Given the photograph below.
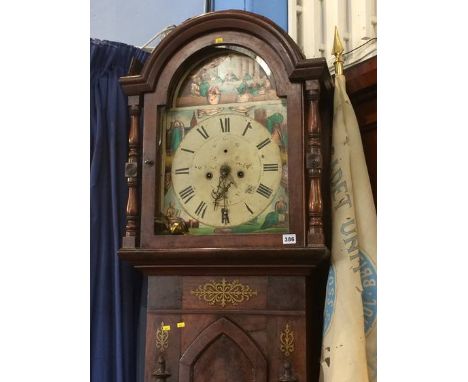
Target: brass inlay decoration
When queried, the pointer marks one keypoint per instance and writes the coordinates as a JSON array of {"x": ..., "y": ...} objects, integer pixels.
[
  {"x": 162, "y": 338},
  {"x": 224, "y": 292},
  {"x": 287, "y": 341}
]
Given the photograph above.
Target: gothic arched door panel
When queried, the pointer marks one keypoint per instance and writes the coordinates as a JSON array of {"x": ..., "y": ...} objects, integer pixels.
[{"x": 223, "y": 352}]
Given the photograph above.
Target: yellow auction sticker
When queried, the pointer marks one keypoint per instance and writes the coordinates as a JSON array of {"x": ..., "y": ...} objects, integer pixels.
[
  {"x": 166, "y": 328},
  {"x": 219, "y": 40},
  {"x": 181, "y": 324}
]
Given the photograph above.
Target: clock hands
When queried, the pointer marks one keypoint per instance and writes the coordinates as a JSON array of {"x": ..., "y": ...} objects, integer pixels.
[
  {"x": 220, "y": 194},
  {"x": 224, "y": 216},
  {"x": 224, "y": 210}
]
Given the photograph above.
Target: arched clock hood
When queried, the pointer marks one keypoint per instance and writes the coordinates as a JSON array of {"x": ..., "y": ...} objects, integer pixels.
[{"x": 261, "y": 35}]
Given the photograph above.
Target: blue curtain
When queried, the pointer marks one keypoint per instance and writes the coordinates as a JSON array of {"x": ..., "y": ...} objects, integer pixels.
[{"x": 116, "y": 288}]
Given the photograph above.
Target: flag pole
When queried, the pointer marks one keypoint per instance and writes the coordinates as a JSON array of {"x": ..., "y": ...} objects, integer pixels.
[
  {"x": 338, "y": 53},
  {"x": 350, "y": 331}
]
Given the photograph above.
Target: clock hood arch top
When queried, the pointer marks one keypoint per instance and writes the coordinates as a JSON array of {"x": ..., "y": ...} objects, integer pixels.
[{"x": 225, "y": 28}]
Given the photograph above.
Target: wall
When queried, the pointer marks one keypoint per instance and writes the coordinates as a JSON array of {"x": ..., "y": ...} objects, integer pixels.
[
  {"x": 276, "y": 10},
  {"x": 312, "y": 26},
  {"x": 311, "y": 23},
  {"x": 136, "y": 22}
]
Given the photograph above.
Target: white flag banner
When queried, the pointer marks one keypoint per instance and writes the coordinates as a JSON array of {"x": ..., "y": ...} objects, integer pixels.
[{"x": 349, "y": 352}]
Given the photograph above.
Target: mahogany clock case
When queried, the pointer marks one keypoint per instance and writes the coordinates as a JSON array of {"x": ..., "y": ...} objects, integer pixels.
[{"x": 273, "y": 332}]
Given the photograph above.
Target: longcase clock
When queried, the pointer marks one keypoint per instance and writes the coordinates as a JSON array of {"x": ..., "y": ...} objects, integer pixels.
[{"x": 227, "y": 209}]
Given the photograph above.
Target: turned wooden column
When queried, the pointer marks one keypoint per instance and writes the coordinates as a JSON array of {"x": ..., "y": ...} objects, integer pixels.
[
  {"x": 315, "y": 236},
  {"x": 131, "y": 173}
]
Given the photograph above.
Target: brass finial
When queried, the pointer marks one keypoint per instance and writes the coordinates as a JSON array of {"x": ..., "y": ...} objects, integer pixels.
[{"x": 338, "y": 53}]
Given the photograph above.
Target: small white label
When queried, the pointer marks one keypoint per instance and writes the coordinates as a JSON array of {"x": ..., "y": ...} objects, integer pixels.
[{"x": 289, "y": 238}]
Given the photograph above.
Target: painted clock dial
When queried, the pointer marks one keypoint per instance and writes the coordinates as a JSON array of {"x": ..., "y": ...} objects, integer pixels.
[
  {"x": 225, "y": 166},
  {"x": 226, "y": 171}
]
